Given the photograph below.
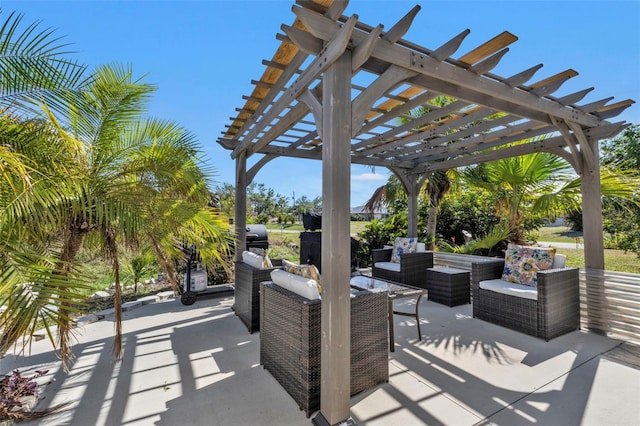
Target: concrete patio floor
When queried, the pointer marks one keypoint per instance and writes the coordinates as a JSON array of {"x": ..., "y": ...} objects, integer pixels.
[{"x": 198, "y": 365}]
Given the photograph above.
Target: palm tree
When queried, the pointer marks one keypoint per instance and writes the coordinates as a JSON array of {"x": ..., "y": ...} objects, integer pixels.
[
  {"x": 438, "y": 185},
  {"x": 387, "y": 195},
  {"x": 539, "y": 184},
  {"x": 135, "y": 178},
  {"x": 517, "y": 182},
  {"x": 35, "y": 69},
  {"x": 109, "y": 174}
]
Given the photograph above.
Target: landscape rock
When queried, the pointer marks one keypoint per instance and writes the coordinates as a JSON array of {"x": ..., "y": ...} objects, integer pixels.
[{"x": 101, "y": 294}]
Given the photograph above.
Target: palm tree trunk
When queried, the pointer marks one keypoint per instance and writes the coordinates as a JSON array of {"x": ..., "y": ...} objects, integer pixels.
[
  {"x": 432, "y": 220},
  {"x": 77, "y": 230},
  {"x": 166, "y": 263},
  {"x": 112, "y": 250},
  {"x": 437, "y": 186}
]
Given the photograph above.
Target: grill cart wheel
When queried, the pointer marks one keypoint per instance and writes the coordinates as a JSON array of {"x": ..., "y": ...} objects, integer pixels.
[{"x": 188, "y": 297}]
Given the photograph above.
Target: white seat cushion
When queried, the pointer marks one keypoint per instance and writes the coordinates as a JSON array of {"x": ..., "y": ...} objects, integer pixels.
[
  {"x": 512, "y": 289},
  {"x": 300, "y": 285},
  {"x": 389, "y": 266}
]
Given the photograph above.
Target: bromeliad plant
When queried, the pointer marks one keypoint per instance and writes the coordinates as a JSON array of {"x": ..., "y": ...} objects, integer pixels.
[{"x": 13, "y": 391}]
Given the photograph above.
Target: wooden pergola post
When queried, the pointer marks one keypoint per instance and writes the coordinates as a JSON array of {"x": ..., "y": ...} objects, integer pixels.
[
  {"x": 241, "y": 205},
  {"x": 335, "y": 350},
  {"x": 593, "y": 235},
  {"x": 412, "y": 188},
  {"x": 412, "y": 210},
  {"x": 592, "y": 209}
]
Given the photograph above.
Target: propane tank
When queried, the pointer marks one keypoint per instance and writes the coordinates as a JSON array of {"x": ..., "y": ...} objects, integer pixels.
[{"x": 198, "y": 280}]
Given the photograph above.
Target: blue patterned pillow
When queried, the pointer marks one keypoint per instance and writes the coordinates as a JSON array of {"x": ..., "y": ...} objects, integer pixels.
[{"x": 403, "y": 246}]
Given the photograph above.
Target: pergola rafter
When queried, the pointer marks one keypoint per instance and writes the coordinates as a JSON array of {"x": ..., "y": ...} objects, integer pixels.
[{"x": 337, "y": 86}]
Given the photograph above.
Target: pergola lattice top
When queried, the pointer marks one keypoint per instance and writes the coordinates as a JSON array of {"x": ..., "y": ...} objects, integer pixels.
[{"x": 485, "y": 117}]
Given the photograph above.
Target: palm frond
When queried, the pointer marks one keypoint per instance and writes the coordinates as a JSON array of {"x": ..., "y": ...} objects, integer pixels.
[
  {"x": 35, "y": 67},
  {"x": 32, "y": 292}
]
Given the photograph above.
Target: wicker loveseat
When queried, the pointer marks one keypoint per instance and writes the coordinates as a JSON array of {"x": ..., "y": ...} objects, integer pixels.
[
  {"x": 548, "y": 311},
  {"x": 290, "y": 342},
  {"x": 247, "y": 292},
  {"x": 411, "y": 270}
]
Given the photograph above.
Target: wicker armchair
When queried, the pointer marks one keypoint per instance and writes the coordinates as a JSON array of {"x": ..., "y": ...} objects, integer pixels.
[
  {"x": 290, "y": 342},
  {"x": 247, "y": 292},
  {"x": 413, "y": 267},
  {"x": 555, "y": 312}
]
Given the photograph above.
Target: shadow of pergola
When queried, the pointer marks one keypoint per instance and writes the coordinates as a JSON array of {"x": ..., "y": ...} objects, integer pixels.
[
  {"x": 484, "y": 371},
  {"x": 198, "y": 365}
]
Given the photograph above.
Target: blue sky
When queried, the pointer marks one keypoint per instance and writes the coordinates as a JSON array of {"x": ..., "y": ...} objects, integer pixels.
[{"x": 203, "y": 54}]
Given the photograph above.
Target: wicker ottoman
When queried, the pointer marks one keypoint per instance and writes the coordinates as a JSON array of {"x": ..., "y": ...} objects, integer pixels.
[{"x": 449, "y": 286}]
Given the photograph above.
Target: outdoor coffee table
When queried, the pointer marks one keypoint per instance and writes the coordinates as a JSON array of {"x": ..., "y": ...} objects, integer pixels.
[{"x": 395, "y": 291}]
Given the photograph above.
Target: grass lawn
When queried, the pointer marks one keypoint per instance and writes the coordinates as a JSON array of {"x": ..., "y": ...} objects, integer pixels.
[
  {"x": 614, "y": 260},
  {"x": 558, "y": 234}
]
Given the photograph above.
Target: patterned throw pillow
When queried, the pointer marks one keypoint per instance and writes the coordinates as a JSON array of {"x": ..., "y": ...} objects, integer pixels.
[
  {"x": 307, "y": 271},
  {"x": 266, "y": 262},
  {"x": 402, "y": 246},
  {"x": 521, "y": 263}
]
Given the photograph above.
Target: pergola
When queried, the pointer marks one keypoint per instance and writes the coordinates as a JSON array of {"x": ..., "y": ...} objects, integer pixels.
[{"x": 341, "y": 91}]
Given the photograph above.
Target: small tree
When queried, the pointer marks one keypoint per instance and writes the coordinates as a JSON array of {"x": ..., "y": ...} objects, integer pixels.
[
  {"x": 622, "y": 219},
  {"x": 140, "y": 266}
]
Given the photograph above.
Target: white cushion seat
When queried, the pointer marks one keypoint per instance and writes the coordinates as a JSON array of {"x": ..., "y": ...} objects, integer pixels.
[
  {"x": 519, "y": 290},
  {"x": 389, "y": 266},
  {"x": 513, "y": 289}
]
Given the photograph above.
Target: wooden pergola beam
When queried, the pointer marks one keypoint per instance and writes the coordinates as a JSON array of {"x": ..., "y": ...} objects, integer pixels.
[
  {"x": 330, "y": 54},
  {"x": 324, "y": 28}
]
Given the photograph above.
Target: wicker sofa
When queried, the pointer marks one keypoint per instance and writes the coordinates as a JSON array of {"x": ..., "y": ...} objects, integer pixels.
[
  {"x": 247, "y": 292},
  {"x": 290, "y": 342},
  {"x": 555, "y": 310},
  {"x": 412, "y": 271}
]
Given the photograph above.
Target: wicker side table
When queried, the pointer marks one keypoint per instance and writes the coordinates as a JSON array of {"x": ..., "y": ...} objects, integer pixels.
[
  {"x": 247, "y": 292},
  {"x": 449, "y": 286}
]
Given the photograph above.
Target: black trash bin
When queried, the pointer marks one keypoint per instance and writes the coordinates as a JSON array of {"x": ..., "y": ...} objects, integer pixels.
[
  {"x": 311, "y": 249},
  {"x": 312, "y": 221}
]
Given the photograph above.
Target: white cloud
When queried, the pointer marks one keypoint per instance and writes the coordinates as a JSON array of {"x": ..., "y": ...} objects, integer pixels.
[{"x": 369, "y": 177}]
